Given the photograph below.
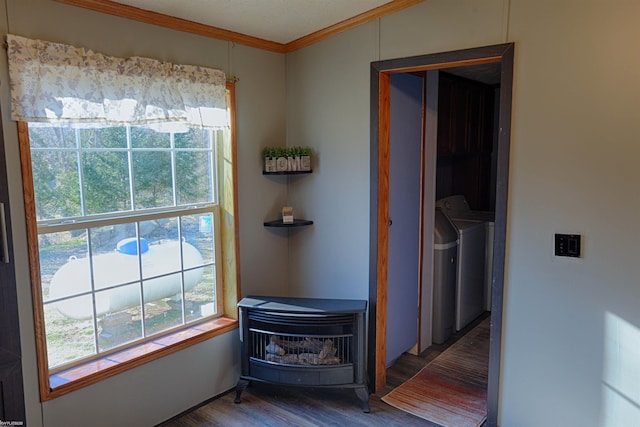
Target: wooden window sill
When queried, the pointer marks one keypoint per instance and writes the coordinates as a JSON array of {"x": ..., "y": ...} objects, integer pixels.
[{"x": 91, "y": 372}]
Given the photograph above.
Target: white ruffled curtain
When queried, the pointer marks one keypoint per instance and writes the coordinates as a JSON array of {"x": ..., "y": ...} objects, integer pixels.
[{"x": 58, "y": 83}]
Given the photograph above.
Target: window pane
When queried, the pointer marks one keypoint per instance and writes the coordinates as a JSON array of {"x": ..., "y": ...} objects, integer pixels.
[
  {"x": 111, "y": 137},
  {"x": 200, "y": 300},
  {"x": 147, "y": 138},
  {"x": 198, "y": 231},
  {"x": 56, "y": 184},
  {"x": 68, "y": 338},
  {"x": 106, "y": 182},
  {"x": 195, "y": 248},
  {"x": 163, "y": 252},
  {"x": 51, "y": 137},
  {"x": 152, "y": 177},
  {"x": 157, "y": 230},
  {"x": 194, "y": 177},
  {"x": 194, "y": 138},
  {"x": 114, "y": 258},
  {"x": 64, "y": 266},
  {"x": 163, "y": 303},
  {"x": 119, "y": 316}
]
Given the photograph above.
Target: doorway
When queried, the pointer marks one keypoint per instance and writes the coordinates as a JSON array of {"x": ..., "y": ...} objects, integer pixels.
[{"x": 379, "y": 208}]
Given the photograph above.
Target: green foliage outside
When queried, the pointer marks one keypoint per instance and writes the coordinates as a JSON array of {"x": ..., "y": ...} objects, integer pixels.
[{"x": 103, "y": 182}]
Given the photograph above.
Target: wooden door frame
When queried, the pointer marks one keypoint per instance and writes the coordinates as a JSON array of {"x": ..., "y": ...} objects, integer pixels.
[{"x": 379, "y": 202}]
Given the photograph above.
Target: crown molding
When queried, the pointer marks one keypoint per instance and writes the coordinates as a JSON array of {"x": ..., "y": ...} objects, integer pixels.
[{"x": 154, "y": 18}]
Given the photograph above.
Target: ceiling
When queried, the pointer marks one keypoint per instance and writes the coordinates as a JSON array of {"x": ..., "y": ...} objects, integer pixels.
[
  {"x": 281, "y": 21},
  {"x": 279, "y": 25}
]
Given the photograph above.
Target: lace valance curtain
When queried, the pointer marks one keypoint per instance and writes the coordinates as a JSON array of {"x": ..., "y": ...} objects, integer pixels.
[{"x": 53, "y": 82}]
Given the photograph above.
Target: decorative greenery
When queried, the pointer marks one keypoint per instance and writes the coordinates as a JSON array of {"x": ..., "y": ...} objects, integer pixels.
[{"x": 275, "y": 152}]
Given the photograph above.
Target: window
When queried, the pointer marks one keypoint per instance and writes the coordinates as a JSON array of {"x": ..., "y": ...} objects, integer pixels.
[
  {"x": 127, "y": 224},
  {"x": 129, "y": 182},
  {"x": 130, "y": 247}
]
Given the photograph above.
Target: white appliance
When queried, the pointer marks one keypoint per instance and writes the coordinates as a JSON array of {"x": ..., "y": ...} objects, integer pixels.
[
  {"x": 457, "y": 208},
  {"x": 470, "y": 274}
]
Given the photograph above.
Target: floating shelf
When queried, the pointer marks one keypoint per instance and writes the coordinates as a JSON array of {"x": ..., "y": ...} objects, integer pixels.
[
  {"x": 286, "y": 172},
  {"x": 295, "y": 223}
]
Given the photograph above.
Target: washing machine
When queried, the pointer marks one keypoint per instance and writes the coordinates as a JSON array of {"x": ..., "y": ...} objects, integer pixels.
[
  {"x": 457, "y": 210},
  {"x": 456, "y": 207},
  {"x": 445, "y": 267}
]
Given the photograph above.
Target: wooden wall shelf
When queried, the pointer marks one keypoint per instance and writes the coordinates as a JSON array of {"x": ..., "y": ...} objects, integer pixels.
[
  {"x": 295, "y": 223},
  {"x": 286, "y": 173}
]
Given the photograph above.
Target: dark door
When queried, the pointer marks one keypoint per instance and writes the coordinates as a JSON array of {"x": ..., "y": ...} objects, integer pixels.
[{"x": 11, "y": 387}]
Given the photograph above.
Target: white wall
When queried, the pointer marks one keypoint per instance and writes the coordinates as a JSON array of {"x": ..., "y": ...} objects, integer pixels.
[
  {"x": 571, "y": 333},
  {"x": 163, "y": 388},
  {"x": 261, "y": 109},
  {"x": 328, "y": 110},
  {"x": 574, "y": 169},
  {"x": 571, "y": 342}
]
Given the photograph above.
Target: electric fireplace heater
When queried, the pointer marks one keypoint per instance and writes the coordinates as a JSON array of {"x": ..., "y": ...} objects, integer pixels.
[{"x": 303, "y": 342}]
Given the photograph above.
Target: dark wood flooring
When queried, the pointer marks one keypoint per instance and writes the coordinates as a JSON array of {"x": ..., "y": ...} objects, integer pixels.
[{"x": 268, "y": 405}]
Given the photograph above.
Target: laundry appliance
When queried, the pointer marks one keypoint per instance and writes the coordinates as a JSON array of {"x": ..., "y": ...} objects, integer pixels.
[
  {"x": 445, "y": 266},
  {"x": 475, "y": 257}
]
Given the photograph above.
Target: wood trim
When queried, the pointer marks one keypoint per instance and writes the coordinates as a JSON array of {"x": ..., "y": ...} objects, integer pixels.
[
  {"x": 34, "y": 259},
  {"x": 224, "y": 325},
  {"x": 149, "y": 17},
  {"x": 380, "y": 83},
  {"x": 384, "y": 132},
  {"x": 363, "y": 18}
]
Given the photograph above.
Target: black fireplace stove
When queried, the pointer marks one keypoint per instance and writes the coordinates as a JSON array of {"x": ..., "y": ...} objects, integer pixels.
[{"x": 303, "y": 342}]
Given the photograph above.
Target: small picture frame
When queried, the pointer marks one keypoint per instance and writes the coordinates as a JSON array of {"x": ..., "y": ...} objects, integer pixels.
[{"x": 287, "y": 215}]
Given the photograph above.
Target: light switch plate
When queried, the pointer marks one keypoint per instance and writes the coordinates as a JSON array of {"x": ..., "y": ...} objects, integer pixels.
[{"x": 568, "y": 245}]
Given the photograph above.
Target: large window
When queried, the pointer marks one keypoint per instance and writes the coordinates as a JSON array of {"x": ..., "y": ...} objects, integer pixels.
[
  {"x": 127, "y": 244},
  {"x": 129, "y": 182},
  {"x": 127, "y": 234}
]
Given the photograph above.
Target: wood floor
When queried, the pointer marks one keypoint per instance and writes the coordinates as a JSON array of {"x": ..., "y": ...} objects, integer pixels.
[{"x": 273, "y": 406}]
